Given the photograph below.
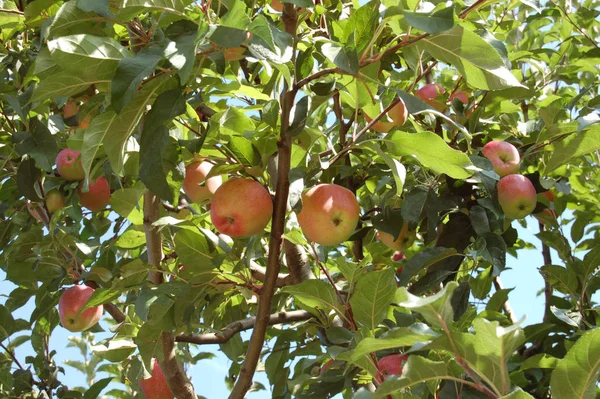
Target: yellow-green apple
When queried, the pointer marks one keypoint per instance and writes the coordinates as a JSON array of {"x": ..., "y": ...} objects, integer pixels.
[
  {"x": 392, "y": 364},
  {"x": 429, "y": 94},
  {"x": 398, "y": 114},
  {"x": 405, "y": 238},
  {"x": 517, "y": 196},
  {"x": 462, "y": 96},
  {"x": 55, "y": 200},
  {"x": 241, "y": 208},
  {"x": 195, "y": 185},
  {"x": 69, "y": 304},
  {"x": 329, "y": 214},
  {"x": 156, "y": 386},
  {"x": 37, "y": 211},
  {"x": 68, "y": 164},
  {"x": 98, "y": 195},
  {"x": 504, "y": 157}
]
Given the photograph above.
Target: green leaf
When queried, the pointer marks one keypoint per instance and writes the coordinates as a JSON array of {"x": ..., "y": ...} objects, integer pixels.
[
  {"x": 517, "y": 394},
  {"x": 315, "y": 294},
  {"x": 361, "y": 26},
  {"x": 423, "y": 260},
  {"x": 436, "y": 309},
  {"x": 436, "y": 22},
  {"x": 37, "y": 143},
  {"x": 193, "y": 251},
  {"x": 181, "y": 53},
  {"x": 233, "y": 122},
  {"x": 101, "y": 296},
  {"x": 263, "y": 50},
  {"x": 372, "y": 296},
  {"x": 300, "y": 113},
  {"x": 70, "y": 19},
  {"x": 577, "y": 373},
  {"x": 540, "y": 361},
  {"x": 261, "y": 28},
  {"x": 396, "y": 338},
  {"x": 573, "y": 147},
  {"x": 133, "y": 7},
  {"x": 131, "y": 239},
  {"x": 343, "y": 57},
  {"x": 116, "y": 351},
  {"x": 64, "y": 83},
  {"x": 244, "y": 151},
  {"x": 416, "y": 370},
  {"x": 561, "y": 279},
  {"x": 86, "y": 55},
  {"x": 27, "y": 179},
  {"x": 432, "y": 152},
  {"x": 477, "y": 60},
  {"x": 100, "y": 7},
  {"x": 128, "y": 203}
]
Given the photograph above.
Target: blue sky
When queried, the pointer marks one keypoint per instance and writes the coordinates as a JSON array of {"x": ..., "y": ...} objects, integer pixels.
[{"x": 209, "y": 375}]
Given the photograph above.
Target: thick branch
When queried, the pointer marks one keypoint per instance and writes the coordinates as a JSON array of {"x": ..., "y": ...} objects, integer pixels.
[
  {"x": 174, "y": 373},
  {"x": 242, "y": 325},
  {"x": 259, "y": 273},
  {"x": 297, "y": 263}
]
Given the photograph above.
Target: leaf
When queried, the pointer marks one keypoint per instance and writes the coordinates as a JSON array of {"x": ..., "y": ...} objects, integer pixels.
[
  {"x": 396, "y": 338},
  {"x": 64, "y": 83},
  {"x": 432, "y": 152},
  {"x": 244, "y": 151},
  {"x": 573, "y": 147},
  {"x": 261, "y": 28},
  {"x": 423, "y": 260},
  {"x": 192, "y": 250},
  {"x": 27, "y": 179},
  {"x": 578, "y": 372},
  {"x": 37, "y": 143},
  {"x": 436, "y": 22},
  {"x": 561, "y": 279},
  {"x": 344, "y": 58},
  {"x": 87, "y": 55},
  {"x": 436, "y": 309},
  {"x": 361, "y": 26},
  {"x": 517, "y": 394},
  {"x": 70, "y": 19},
  {"x": 300, "y": 113},
  {"x": 128, "y": 203},
  {"x": 116, "y": 351},
  {"x": 181, "y": 53},
  {"x": 101, "y": 296},
  {"x": 315, "y": 294},
  {"x": 131, "y": 239},
  {"x": 260, "y": 46},
  {"x": 540, "y": 361},
  {"x": 415, "y": 371},
  {"x": 132, "y": 7},
  {"x": 477, "y": 60},
  {"x": 372, "y": 296},
  {"x": 233, "y": 122}
]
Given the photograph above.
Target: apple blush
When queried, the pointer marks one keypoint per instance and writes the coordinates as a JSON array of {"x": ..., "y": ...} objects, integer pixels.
[{"x": 69, "y": 304}]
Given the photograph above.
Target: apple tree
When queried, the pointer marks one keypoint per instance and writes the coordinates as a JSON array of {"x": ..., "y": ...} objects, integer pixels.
[{"x": 383, "y": 154}]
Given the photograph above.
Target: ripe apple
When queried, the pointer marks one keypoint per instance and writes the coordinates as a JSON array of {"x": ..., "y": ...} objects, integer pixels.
[
  {"x": 98, "y": 196},
  {"x": 241, "y": 208},
  {"x": 517, "y": 196},
  {"x": 381, "y": 126},
  {"x": 398, "y": 114},
  {"x": 462, "y": 96},
  {"x": 504, "y": 156},
  {"x": 85, "y": 122},
  {"x": 156, "y": 386},
  {"x": 38, "y": 212},
  {"x": 429, "y": 94},
  {"x": 69, "y": 304},
  {"x": 329, "y": 214},
  {"x": 195, "y": 176},
  {"x": 398, "y": 256},
  {"x": 68, "y": 164},
  {"x": 392, "y": 364},
  {"x": 55, "y": 200},
  {"x": 405, "y": 238}
]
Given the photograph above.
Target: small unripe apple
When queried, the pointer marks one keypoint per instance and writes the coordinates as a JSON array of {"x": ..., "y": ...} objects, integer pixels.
[
  {"x": 329, "y": 214},
  {"x": 156, "y": 386},
  {"x": 392, "y": 364},
  {"x": 429, "y": 94},
  {"x": 68, "y": 164},
  {"x": 37, "y": 211},
  {"x": 195, "y": 185},
  {"x": 462, "y": 96},
  {"x": 504, "y": 157},
  {"x": 98, "y": 196},
  {"x": 241, "y": 208},
  {"x": 405, "y": 238},
  {"x": 517, "y": 196},
  {"x": 69, "y": 304},
  {"x": 55, "y": 200}
]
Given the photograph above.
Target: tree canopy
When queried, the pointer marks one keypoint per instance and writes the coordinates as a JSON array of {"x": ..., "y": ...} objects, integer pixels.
[{"x": 119, "y": 119}]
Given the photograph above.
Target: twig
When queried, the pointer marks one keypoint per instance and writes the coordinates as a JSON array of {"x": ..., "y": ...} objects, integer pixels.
[
  {"x": 4, "y": 10},
  {"x": 473, "y": 6},
  {"x": 547, "y": 286},
  {"x": 566, "y": 14},
  {"x": 259, "y": 273},
  {"x": 225, "y": 334}
]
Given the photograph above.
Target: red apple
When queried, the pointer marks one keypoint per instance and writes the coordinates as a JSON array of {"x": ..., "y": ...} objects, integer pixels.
[
  {"x": 195, "y": 185},
  {"x": 504, "y": 157},
  {"x": 156, "y": 386},
  {"x": 462, "y": 96},
  {"x": 517, "y": 196},
  {"x": 381, "y": 126},
  {"x": 68, "y": 164},
  {"x": 329, "y": 214},
  {"x": 69, "y": 304},
  {"x": 38, "y": 212},
  {"x": 429, "y": 94},
  {"x": 55, "y": 200},
  {"x": 405, "y": 238},
  {"x": 98, "y": 196},
  {"x": 392, "y": 364},
  {"x": 241, "y": 208},
  {"x": 326, "y": 366},
  {"x": 398, "y": 256}
]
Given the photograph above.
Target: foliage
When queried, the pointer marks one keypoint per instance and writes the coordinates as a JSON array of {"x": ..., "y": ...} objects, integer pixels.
[{"x": 280, "y": 97}]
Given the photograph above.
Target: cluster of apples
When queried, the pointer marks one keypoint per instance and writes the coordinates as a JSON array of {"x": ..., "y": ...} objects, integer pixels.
[{"x": 516, "y": 193}]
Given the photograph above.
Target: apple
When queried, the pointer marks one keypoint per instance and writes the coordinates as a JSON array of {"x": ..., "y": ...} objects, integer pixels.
[
  {"x": 68, "y": 164},
  {"x": 462, "y": 96},
  {"x": 241, "y": 208},
  {"x": 195, "y": 176},
  {"x": 547, "y": 215},
  {"x": 85, "y": 122},
  {"x": 55, "y": 200},
  {"x": 38, "y": 212},
  {"x": 392, "y": 364},
  {"x": 70, "y": 109},
  {"x": 398, "y": 114},
  {"x": 326, "y": 366},
  {"x": 398, "y": 256},
  {"x": 156, "y": 386},
  {"x": 277, "y": 5},
  {"x": 504, "y": 157},
  {"x": 381, "y": 126},
  {"x": 517, "y": 196},
  {"x": 234, "y": 54},
  {"x": 329, "y": 214},
  {"x": 429, "y": 94},
  {"x": 69, "y": 304},
  {"x": 405, "y": 238},
  {"x": 98, "y": 196}
]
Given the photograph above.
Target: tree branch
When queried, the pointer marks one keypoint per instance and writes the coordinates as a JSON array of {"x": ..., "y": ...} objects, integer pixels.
[
  {"x": 297, "y": 263},
  {"x": 236, "y": 327},
  {"x": 547, "y": 286},
  {"x": 259, "y": 273},
  {"x": 173, "y": 371}
]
